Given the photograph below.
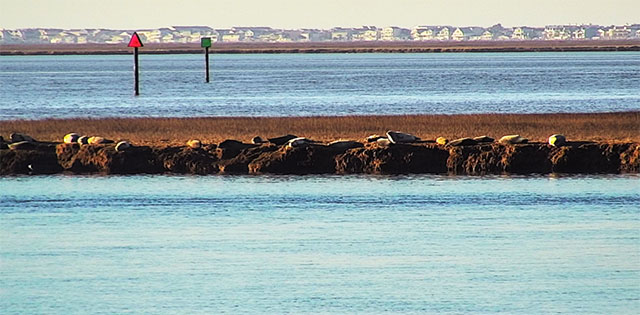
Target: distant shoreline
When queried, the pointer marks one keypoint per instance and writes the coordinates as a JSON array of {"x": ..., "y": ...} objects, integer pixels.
[{"x": 326, "y": 47}]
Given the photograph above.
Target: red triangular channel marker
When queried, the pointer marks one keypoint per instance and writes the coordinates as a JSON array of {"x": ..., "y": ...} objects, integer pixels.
[{"x": 135, "y": 40}]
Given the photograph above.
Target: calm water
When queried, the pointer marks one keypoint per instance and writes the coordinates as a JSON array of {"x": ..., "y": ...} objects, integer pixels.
[
  {"x": 319, "y": 84},
  {"x": 338, "y": 244}
]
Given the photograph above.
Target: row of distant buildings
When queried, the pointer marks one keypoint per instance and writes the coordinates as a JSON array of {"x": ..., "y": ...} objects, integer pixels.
[{"x": 192, "y": 34}]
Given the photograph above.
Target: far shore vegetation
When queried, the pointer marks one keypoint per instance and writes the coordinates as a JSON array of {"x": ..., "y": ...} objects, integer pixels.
[
  {"x": 329, "y": 47},
  {"x": 608, "y": 127}
]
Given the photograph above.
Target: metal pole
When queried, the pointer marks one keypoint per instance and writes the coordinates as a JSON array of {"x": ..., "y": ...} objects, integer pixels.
[
  {"x": 206, "y": 63},
  {"x": 136, "y": 77}
]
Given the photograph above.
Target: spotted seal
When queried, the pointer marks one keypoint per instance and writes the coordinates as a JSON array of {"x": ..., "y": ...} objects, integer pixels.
[
  {"x": 122, "y": 146},
  {"x": 71, "y": 138},
  {"x": 513, "y": 139},
  {"x": 194, "y": 144},
  {"x": 557, "y": 140},
  {"x": 401, "y": 137}
]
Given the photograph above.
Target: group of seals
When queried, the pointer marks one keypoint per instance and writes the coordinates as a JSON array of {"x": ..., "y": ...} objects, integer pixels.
[
  {"x": 76, "y": 138},
  {"x": 73, "y": 137},
  {"x": 23, "y": 141}
]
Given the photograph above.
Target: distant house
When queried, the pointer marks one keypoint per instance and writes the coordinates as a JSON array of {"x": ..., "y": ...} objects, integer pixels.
[
  {"x": 252, "y": 34},
  {"x": 526, "y": 33},
  {"x": 618, "y": 32},
  {"x": 393, "y": 33},
  {"x": 191, "y": 34},
  {"x": 151, "y": 36},
  {"x": 578, "y": 33},
  {"x": 468, "y": 33},
  {"x": 422, "y": 33},
  {"x": 486, "y": 35},
  {"x": 365, "y": 33},
  {"x": 341, "y": 34},
  {"x": 557, "y": 32},
  {"x": 230, "y": 35},
  {"x": 443, "y": 33},
  {"x": 315, "y": 35},
  {"x": 15, "y": 36}
]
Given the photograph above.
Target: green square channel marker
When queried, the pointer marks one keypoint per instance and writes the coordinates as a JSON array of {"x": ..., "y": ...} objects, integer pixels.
[{"x": 205, "y": 42}]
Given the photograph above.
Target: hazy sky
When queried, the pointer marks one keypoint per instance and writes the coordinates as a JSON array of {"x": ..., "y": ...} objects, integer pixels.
[{"x": 133, "y": 14}]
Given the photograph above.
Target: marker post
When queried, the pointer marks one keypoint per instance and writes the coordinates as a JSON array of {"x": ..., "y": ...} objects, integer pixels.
[
  {"x": 205, "y": 42},
  {"x": 135, "y": 42}
]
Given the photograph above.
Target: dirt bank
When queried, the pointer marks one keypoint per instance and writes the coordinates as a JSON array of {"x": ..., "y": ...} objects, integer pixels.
[{"x": 371, "y": 158}]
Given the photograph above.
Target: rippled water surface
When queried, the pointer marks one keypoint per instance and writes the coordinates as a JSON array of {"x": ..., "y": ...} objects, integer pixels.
[
  {"x": 338, "y": 244},
  {"x": 319, "y": 84}
]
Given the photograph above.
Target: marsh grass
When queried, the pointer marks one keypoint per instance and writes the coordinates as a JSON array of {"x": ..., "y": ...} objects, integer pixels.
[{"x": 156, "y": 131}]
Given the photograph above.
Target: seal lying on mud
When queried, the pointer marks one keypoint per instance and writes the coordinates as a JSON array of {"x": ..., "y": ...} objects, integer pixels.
[
  {"x": 122, "y": 146},
  {"x": 484, "y": 139},
  {"x": 513, "y": 139},
  {"x": 442, "y": 140},
  {"x": 18, "y": 137},
  {"x": 462, "y": 141},
  {"x": 83, "y": 140},
  {"x": 71, "y": 138},
  {"x": 385, "y": 142},
  {"x": 257, "y": 140},
  {"x": 557, "y": 140},
  {"x": 400, "y": 137},
  {"x": 282, "y": 140},
  {"x": 98, "y": 140},
  {"x": 299, "y": 142},
  {"x": 22, "y": 145},
  {"x": 194, "y": 144}
]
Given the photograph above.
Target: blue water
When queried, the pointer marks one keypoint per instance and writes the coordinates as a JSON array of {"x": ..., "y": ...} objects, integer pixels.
[
  {"x": 320, "y": 244},
  {"x": 33, "y": 87}
]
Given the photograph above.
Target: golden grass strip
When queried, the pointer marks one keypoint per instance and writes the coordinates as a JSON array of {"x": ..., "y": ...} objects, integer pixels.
[{"x": 623, "y": 126}]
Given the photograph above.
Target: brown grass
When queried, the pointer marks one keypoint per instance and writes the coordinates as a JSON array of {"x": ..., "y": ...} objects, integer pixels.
[
  {"x": 155, "y": 131},
  {"x": 329, "y": 47}
]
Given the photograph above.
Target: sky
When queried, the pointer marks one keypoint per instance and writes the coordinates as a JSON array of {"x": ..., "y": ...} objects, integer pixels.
[{"x": 292, "y": 14}]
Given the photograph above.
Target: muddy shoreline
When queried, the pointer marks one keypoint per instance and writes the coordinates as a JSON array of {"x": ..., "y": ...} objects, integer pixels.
[{"x": 234, "y": 157}]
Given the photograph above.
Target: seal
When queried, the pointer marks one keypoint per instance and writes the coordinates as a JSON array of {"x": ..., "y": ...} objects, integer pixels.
[
  {"x": 400, "y": 137},
  {"x": 299, "y": 142},
  {"x": 22, "y": 145},
  {"x": 442, "y": 140},
  {"x": 83, "y": 140},
  {"x": 484, "y": 139},
  {"x": 282, "y": 139},
  {"x": 98, "y": 140},
  {"x": 194, "y": 144},
  {"x": 557, "y": 140},
  {"x": 257, "y": 140},
  {"x": 513, "y": 139},
  {"x": 122, "y": 146},
  {"x": 71, "y": 138},
  {"x": 385, "y": 142},
  {"x": 461, "y": 142},
  {"x": 18, "y": 137}
]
